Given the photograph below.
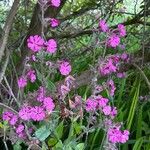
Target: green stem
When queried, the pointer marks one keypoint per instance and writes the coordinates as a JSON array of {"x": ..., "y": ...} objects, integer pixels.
[
  {"x": 103, "y": 141},
  {"x": 95, "y": 136}
]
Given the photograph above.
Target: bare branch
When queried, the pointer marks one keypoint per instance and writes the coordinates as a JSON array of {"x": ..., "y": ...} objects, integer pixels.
[
  {"x": 7, "y": 27},
  {"x": 2, "y": 72}
]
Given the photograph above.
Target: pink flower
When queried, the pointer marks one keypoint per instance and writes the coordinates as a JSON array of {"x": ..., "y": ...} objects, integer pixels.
[
  {"x": 113, "y": 112},
  {"x": 41, "y": 94},
  {"x": 114, "y": 41},
  {"x": 115, "y": 135},
  {"x": 91, "y": 105},
  {"x": 48, "y": 104},
  {"x": 108, "y": 122},
  {"x": 25, "y": 113},
  {"x": 124, "y": 56},
  {"x": 37, "y": 113},
  {"x": 51, "y": 46},
  {"x": 20, "y": 129},
  {"x": 65, "y": 68},
  {"x": 107, "y": 110},
  {"x": 111, "y": 87},
  {"x": 99, "y": 88},
  {"x": 108, "y": 68},
  {"x": 122, "y": 30},
  {"x": 121, "y": 74},
  {"x": 35, "y": 43},
  {"x": 55, "y": 3},
  {"x": 122, "y": 46},
  {"x": 22, "y": 82},
  {"x": 125, "y": 136},
  {"x": 54, "y": 22},
  {"x": 13, "y": 120},
  {"x": 64, "y": 90},
  {"x": 31, "y": 75},
  {"x": 103, "y": 25},
  {"x": 7, "y": 115},
  {"x": 33, "y": 58},
  {"x": 102, "y": 102},
  {"x": 22, "y": 135},
  {"x": 115, "y": 58}
]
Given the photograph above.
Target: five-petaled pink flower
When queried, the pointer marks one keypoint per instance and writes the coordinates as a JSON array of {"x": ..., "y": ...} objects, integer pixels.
[
  {"x": 54, "y": 22},
  {"x": 31, "y": 75},
  {"x": 41, "y": 94},
  {"x": 111, "y": 87},
  {"x": 91, "y": 104},
  {"x": 37, "y": 113},
  {"x": 55, "y": 3},
  {"x": 13, "y": 120},
  {"x": 51, "y": 46},
  {"x": 20, "y": 129},
  {"x": 114, "y": 41},
  {"x": 25, "y": 113},
  {"x": 108, "y": 67},
  {"x": 48, "y": 104},
  {"x": 103, "y": 25},
  {"x": 122, "y": 30},
  {"x": 35, "y": 43},
  {"x": 115, "y": 135},
  {"x": 22, "y": 82},
  {"x": 65, "y": 68},
  {"x": 102, "y": 102},
  {"x": 7, "y": 115},
  {"x": 107, "y": 110}
]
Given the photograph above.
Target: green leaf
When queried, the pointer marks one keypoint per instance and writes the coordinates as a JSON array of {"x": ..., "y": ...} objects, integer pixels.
[
  {"x": 133, "y": 107},
  {"x": 138, "y": 144},
  {"x": 17, "y": 146},
  {"x": 59, "y": 130},
  {"x": 43, "y": 146},
  {"x": 39, "y": 75},
  {"x": 50, "y": 85},
  {"x": 58, "y": 146},
  {"x": 77, "y": 127},
  {"x": 52, "y": 142},
  {"x": 80, "y": 146},
  {"x": 139, "y": 123},
  {"x": 42, "y": 133},
  {"x": 1, "y": 125}
]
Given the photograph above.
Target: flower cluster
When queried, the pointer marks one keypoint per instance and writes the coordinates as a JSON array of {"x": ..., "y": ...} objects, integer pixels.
[
  {"x": 115, "y": 35},
  {"x": 112, "y": 64},
  {"x": 95, "y": 104},
  {"x": 36, "y": 43},
  {"x": 13, "y": 120},
  {"x": 115, "y": 135},
  {"x": 100, "y": 103},
  {"x": 30, "y": 75},
  {"x": 10, "y": 117},
  {"x": 37, "y": 113}
]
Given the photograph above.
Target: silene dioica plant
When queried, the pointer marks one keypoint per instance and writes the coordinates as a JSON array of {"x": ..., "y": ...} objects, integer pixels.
[{"x": 40, "y": 120}]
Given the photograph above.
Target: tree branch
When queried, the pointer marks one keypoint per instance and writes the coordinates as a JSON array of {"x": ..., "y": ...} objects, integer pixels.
[
  {"x": 7, "y": 27},
  {"x": 79, "y": 12}
]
